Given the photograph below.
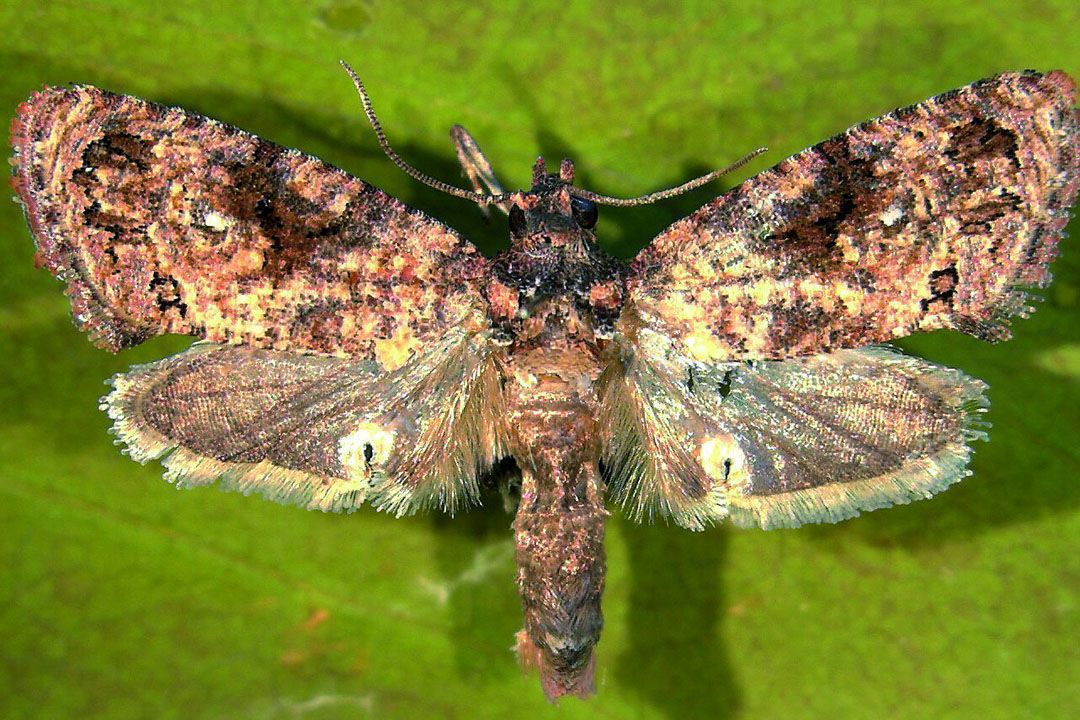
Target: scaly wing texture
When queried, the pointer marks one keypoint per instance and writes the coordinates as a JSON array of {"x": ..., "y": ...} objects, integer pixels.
[
  {"x": 163, "y": 221},
  {"x": 933, "y": 216},
  {"x": 323, "y": 432},
  {"x": 782, "y": 443}
]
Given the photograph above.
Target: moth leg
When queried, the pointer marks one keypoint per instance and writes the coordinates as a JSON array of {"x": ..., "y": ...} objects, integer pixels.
[
  {"x": 476, "y": 167},
  {"x": 504, "y": 478},
  {"x": 510, "y": 490}
]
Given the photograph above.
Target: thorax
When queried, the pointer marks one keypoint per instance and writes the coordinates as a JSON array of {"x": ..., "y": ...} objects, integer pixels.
[
  {"x": 553, "y": 300},
  {"x": 551, "y": 361}
]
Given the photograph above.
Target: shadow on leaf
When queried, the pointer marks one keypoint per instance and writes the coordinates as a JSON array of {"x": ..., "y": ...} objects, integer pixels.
[{"x": 677, "y": 659}]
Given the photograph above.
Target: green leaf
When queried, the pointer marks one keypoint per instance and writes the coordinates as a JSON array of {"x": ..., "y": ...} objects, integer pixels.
[{"x": 121, "y": 597}]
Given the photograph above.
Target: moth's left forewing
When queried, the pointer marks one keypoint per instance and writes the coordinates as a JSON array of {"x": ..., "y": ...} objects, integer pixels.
[
  {"x": 160, "y": 220},
  {"x": 934, "y": 216}
]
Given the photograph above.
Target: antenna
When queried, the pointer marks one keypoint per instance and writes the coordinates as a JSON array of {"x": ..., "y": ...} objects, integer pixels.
[
  {"x": 566, "y": 174},
  {"x": 670, "y": 192},
  {"x": 482, "y": 198}
]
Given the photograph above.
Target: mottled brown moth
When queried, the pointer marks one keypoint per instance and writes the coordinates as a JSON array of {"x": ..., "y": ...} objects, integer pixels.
[{"x": 355, "y": 350}]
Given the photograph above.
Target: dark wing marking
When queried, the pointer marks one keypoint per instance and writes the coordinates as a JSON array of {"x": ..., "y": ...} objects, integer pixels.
[
  {"x": 322, "y": 432},
  {"x": 782, "y": 443},
  {"x": 163, "y": 221},
  {"x": 933, "y": 216}
]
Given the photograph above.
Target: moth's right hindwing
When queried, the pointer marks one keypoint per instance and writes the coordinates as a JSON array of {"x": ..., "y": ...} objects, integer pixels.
[
  {"x": 783, "y": 443},
  {"x": 321, "y": 432}
]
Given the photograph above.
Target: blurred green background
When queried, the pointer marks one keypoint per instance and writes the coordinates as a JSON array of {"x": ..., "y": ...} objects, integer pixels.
[{"x": 121, "y": 597}]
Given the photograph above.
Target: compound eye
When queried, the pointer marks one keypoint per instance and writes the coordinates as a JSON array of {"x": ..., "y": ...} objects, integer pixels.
[
  {"x": 585, "y": 212},
  {"x": 518, "y": 224}
]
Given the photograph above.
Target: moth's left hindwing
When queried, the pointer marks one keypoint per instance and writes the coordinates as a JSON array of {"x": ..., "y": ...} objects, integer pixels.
[
  {"x": 782, "y": 443},
  {"x": 322, "y": 432}
]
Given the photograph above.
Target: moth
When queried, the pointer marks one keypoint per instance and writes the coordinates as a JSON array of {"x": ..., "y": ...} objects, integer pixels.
[{"x": 354, "y": 350}]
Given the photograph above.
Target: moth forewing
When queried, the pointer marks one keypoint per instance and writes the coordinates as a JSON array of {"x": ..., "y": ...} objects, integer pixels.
[{"x": 160, "y": 220}]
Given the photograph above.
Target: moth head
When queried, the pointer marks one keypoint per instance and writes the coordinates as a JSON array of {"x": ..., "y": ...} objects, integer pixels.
[{"x": 552, "y": 211}]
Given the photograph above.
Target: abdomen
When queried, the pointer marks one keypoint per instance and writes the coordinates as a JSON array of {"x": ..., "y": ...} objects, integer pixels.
[{"x": 559, "y": 527}]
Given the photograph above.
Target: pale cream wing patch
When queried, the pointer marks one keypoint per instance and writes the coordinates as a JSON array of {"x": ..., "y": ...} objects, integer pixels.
[
  {"x": 783, "y": 443},
  {"x": 325, "y": 433}
]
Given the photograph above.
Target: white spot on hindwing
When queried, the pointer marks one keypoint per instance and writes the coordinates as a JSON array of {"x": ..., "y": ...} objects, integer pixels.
[
  {"x": 365, "y": 451},
  {"x": 723, "y": 459},
  {"x": 217, "y": 221}
]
